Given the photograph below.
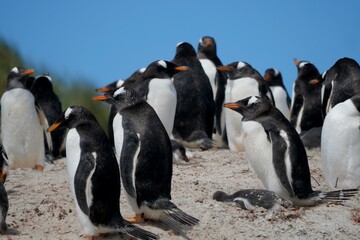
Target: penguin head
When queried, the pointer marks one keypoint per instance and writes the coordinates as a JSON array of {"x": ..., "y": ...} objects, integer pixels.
[
  {"x": 18, "y": 76},
  {"x": 185, "y": 49},
  {"x": 163, "y": 69},
  {"x": 220, "y": 196},
  {"x": 42, "y": 82},
  {"x": 306, "y": 70},
  {"x": 121, "y": 98},
  {"x": 273, "y": 77},
  {"x": 72, "y": 117},
  {"x": 207, "y": 45},
  {"x": 237, "y": 69},
  {"x": 251, "y": 107}
]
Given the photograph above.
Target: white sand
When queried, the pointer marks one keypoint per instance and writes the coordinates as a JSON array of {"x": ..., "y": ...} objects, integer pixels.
[{"x": 42, "y": 207}]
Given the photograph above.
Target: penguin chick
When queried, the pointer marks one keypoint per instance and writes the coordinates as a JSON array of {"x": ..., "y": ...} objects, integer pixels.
[
  {"x": 277, "y": 154},
  {"x": 251, "y": 198},
  {"x": 94, "y": 175},
  {"x": 146, "y": 159}
]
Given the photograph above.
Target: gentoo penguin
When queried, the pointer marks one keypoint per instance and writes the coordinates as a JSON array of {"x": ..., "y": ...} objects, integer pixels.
[
  {"x": 94, "y": 175},
  {"x": 115, "y": 118},
  {"x": 340, "y": 144},
  {"x": 146, "y": 146},
  {"x": 341, "y": 82},
  {"x": 23, "y": 124},
  {"x": 4, "y": 206},
  {"x": 195, "y": 109},
  {"x": 210, "y": 61},
  {"x": 251, "y": 198},
  {"x": 305, "y": 111},
  {"x": 46, "y": 98},
  {"x": 275, "y": 151},
  {"x": 243, "y": 81},
  {"x": 282, "y": 100}
]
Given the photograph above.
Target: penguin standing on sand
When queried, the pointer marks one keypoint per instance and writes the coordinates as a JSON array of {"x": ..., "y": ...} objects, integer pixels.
[
  {"x": 23, "y": 124},
  {"x": 210, "y": 61},
  {"x": 282, "y": 100},
  {"x": 305, "y": 111},
  {"x": 146, "y": 159},
  {"x": 94, "y": 175},
  {"x": 195, "y": 109},
  {"x": 243, "y": 81},
  {"x": 341, "y": 82},
  {"x": 340, "y": 144},
  {"x": 251, "y": 198},
  {"x": 46, "y": 98},
  {"x": 275, "y": 151}
]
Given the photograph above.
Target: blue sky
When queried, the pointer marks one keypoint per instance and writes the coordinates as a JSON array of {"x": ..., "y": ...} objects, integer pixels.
[{"x": 102, "y": 41}]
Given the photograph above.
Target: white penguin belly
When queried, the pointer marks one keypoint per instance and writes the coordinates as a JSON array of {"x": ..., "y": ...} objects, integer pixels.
[
  {"x": 73, "y": 153},
  {"x": 210, "y": 70},
  {"x": 21, "y": 132},
  {"x": 237, "y": 90},
  {"x": 280, "y": 98},
  {"x": 261, "y": 157},
  {"x": 162, "y": 98},
  {"x": 340, "y": 146}
]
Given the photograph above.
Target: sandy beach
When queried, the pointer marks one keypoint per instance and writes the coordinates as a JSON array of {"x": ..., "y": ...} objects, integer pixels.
[{"x": 42, "y": 206}]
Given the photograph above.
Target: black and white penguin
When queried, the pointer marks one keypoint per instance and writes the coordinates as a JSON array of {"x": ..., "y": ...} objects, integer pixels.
[
  {"x": 275, "y": 151},
  {"x": 46, "y": 98},
  {"x": 195, "y": 109},
  {"x": 146, "y": 159},
  {"x": 4, "y": 207},
  {"x": 341, "y": 82},
  {"x": 252, "y": 198},
  {"x": 94, "y": 175},
  {"x": 209, "y": 60},
  {"x": 243, "y": 81},
  {"x": 282, "y": 99},
  {"x": 340, "y": 144},
  {"x": 23, "y": 123},
  {"x": 305, "y": 111}
]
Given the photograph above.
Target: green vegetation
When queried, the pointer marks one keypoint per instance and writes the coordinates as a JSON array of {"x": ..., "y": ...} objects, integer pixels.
[{"x": 74, "y": 92}]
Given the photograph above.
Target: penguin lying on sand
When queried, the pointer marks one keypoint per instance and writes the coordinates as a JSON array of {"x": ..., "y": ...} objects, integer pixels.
[
  {"x": 146, "y": 159},
  {"x": 251, "y": 198},
  {"x": 275, "y": 151},
  {"x": 94, "y": 175}
]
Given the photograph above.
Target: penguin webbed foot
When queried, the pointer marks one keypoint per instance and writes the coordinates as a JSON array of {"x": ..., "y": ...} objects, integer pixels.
[
  {"x": 38, "y": 168},
  {"x": 138, "y": 218}
]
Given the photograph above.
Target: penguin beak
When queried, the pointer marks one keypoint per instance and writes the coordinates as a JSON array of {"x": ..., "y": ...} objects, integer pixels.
[
  {"x": 232, "y": 105},
  {"x": 181, "y": 68},
  {"x": 100, "y": 98},
  {"x": 28, "y": 71},
  {"x": 314, "y": 81},
  {"x": 296, "y": 61},
  {"x": 267, "y": 77},
  {"x": 223, "y": 68},
  {"x": 54, "y": 126},
  {"x": 103, "y": 89}
]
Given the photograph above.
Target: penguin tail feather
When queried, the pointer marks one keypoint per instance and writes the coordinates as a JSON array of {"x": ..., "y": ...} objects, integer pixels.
[
  {"x": 338, "y": 195},
  {"x": 123, "y": 226},
  {"x": 175, "y": 213}
]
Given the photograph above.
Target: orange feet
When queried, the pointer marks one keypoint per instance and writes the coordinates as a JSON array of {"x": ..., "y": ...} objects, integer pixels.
[
  {"x": 39, "y": 167},
  {"x": 138, "y": 218}
]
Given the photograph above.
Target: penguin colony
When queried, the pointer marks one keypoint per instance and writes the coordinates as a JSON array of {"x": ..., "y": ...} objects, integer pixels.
[{"x": 192, "y": 101}]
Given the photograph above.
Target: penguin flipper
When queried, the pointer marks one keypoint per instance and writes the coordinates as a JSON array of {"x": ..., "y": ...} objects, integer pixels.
[
  {"x": 45, "y": 125},
  {"x": 82, "y": 175},
  {"x": 279, "y": 147}
]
